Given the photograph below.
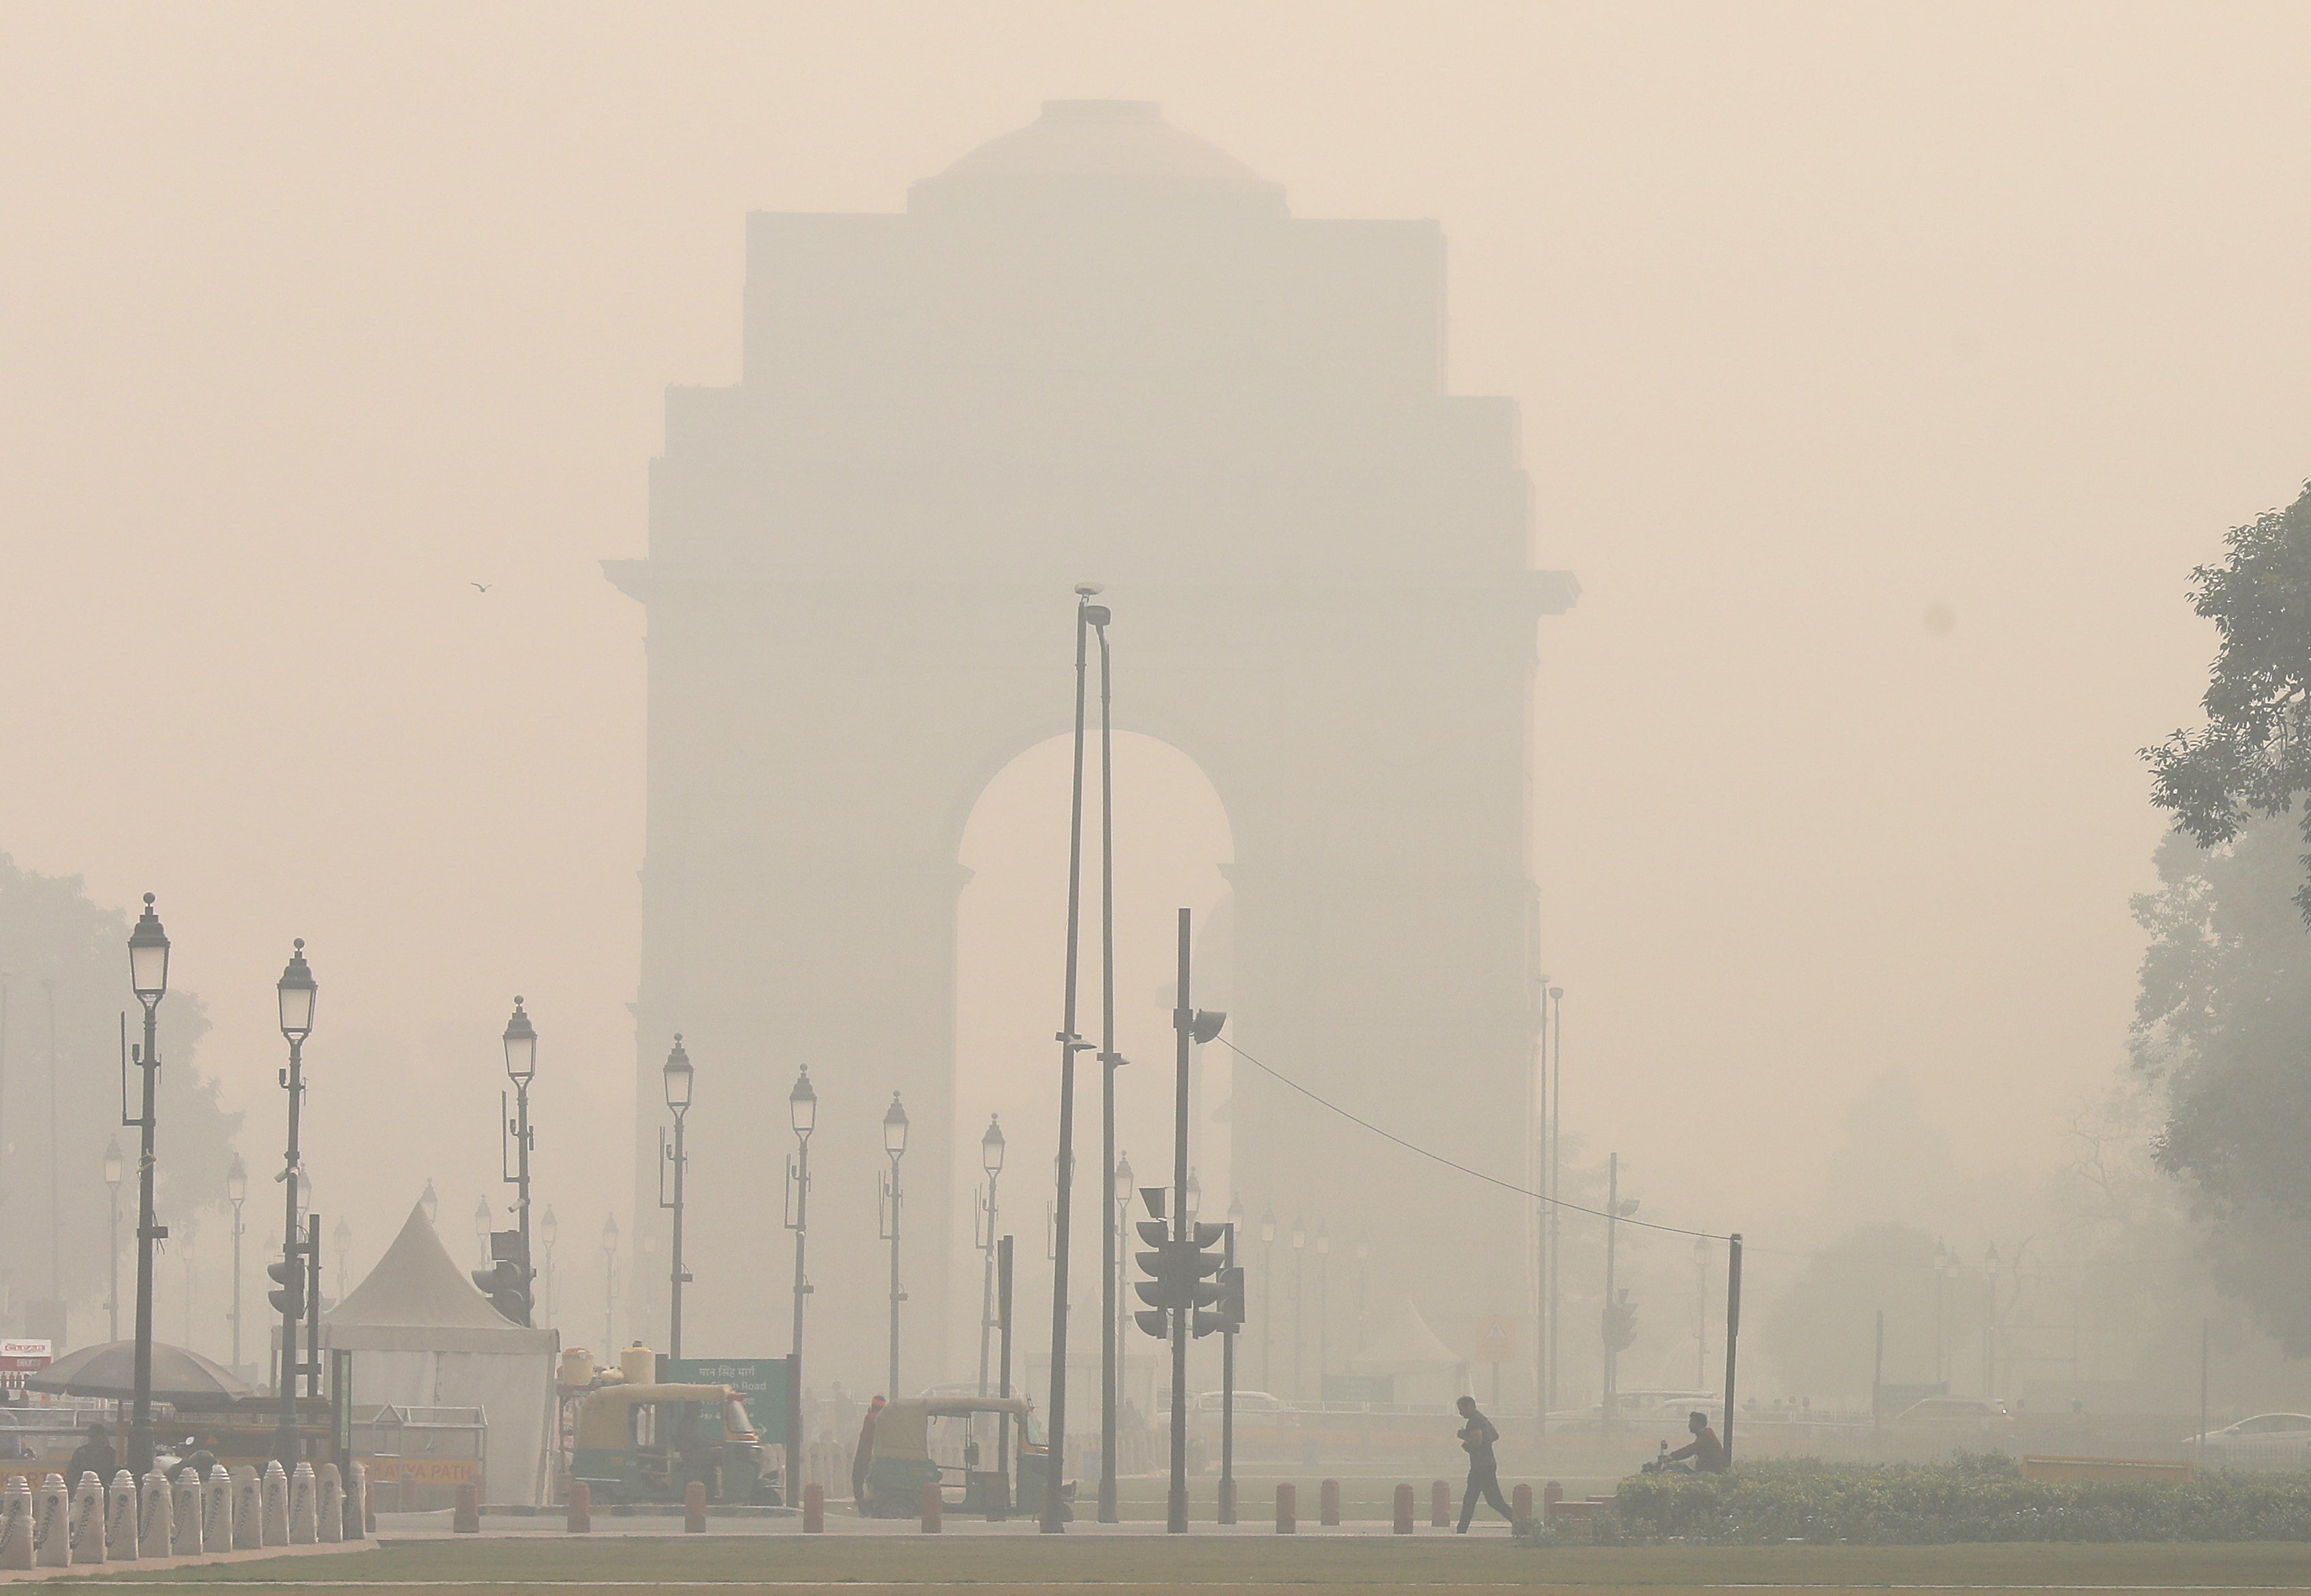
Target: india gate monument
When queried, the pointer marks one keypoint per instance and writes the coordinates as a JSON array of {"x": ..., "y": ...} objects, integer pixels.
[{"x": 1095, "y": 349}]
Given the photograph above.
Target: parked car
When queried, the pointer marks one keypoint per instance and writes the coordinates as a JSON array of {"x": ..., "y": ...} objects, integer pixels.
[
  {"x": 1957, "y": 1410},
  {"x": 1246, "y": 1401},
  {"x": 2266, "y": 1440}
]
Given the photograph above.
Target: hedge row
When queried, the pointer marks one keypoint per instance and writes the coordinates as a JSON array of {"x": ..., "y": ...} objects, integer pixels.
[{"x": 1973, "y": 1498}]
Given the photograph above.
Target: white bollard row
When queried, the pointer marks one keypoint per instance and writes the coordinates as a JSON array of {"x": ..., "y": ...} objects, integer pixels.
[
  {"x": 304, "y": 1511},
  {"x": 276, "y": 1504},
  {"x": 88, "y": 1519},
  {"x": 154, "y": 1528},
  {"x": 16, "y": 1524},
  {"x": 186, "y": 1514},
  {"x": 216, "y": 1510},
  {"x": 248, "y": 1510},
  {"x": 332, "y": 1524},
  {"x": 120, "y": 1518},
  {"x": 52, "y": 1524}
]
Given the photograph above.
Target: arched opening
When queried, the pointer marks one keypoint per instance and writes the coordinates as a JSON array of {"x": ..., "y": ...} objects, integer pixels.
[{"x": 1172, "y": 844}]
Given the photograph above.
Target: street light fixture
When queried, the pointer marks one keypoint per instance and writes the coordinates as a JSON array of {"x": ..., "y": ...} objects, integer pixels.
[
  {"x": 294, "y": 995},
  {"x": 236, "y": 1192},
  {"x": 520, "y": 1041},
  {"x": 802, "y": 1114},
  {"x": 895, "y": 1144},
  {"x": 114, "y": 1169},
  {"x": 679, "y": 1080},
  {"x": 990, "y": 1160},
  {"x": 148, "y": 976}
]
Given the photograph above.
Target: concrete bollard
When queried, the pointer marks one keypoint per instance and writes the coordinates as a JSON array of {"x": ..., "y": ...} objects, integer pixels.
[
  {"x": 581, "y": 1508},
  {"x": 185, "y": 1514},
  {"x": 120, "y": 1518},
  {"x": 1287, "y": 1509},
  {"x": 1328, "y": 1503},
  {"x": 52, "y": 1524},
  {"x": 304, "y": 1505},
  {"x": 248, "y": 1510},
  {"x": 1551, "y": 1495},
  {"x": 1404, "y": 1509},
  {"x": 693, "y": 1508},
  {"x": 16, "y": 1524},
  {"x": 814, "y": 1509},
  {"x": 275, "y": 1513},
  {"x": 1440, "y": 1504},
  {"x": 934, "y": 1509},
  {"x": 365, "y": 1493},
  {"x": 1521, "y": 1503},
  {"x": 329, "y": 1515},
  {"x": 88, "y": 1518},
  {"x": 155, "y": 1530},
  {"x": 467, "y": 1520},
  {"x": 216, "y": 1510},
  {"x": 1227, "y": 1504}
]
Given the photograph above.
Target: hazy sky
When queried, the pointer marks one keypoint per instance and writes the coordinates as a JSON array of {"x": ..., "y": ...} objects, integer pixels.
[{"x": 1820, "y": 316}]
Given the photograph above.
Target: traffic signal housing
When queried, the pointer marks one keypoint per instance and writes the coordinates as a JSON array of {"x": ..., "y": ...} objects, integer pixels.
[
  {"x": 1620, "y": 1323},
  {"x": 289, "y": 1275},
  {"x": 506, "y": 1281},
  {"x": 1181, "y": 1277}
]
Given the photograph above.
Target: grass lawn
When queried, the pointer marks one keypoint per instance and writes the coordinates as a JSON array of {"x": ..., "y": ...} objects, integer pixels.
[{"x": 1311, "y": 1567}]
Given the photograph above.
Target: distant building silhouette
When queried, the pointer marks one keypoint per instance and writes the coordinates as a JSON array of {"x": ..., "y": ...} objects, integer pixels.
[{"x": 1096, "y": 348}]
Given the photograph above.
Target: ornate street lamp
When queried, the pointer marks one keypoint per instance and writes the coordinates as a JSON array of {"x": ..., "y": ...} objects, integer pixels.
[
  {"x": 520, "y": 1039},
  {"x": 148, "y": 977},
  {"x": 236, "y": 1192},
  {"x": 679, "y": 1079},
  {"x": 802, "y": 1117},
  {"x": 294, "y": 995},
  {"x": 991, "y": 1159},
  {"x": 894, "y": 1145},
  {"x": 114, "y": 1169}
]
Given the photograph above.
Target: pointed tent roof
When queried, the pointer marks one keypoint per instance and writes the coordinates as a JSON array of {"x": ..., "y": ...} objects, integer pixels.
[
  {"x": 417, "y": 1286},
  {"x": 1405, "y": 1341}
]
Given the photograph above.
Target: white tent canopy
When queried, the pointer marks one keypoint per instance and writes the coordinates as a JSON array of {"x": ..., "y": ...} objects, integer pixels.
[
  {"x": 1426, "y": 1370},
  {"x": 422, "y": 1336}
]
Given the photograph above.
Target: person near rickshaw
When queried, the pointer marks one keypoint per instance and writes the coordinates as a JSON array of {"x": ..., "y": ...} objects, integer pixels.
[
  {"x": 94, "y": 1456},
  {"x": 863, "y": 1456}
]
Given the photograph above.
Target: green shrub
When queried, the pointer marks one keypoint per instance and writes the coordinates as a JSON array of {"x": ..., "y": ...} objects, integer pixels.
[{"x": 1973, "y": 1497}]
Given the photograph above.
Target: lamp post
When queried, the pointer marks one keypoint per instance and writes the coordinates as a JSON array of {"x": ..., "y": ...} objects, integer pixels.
[
  {"x": 1266, "y": 1300},
  {"x": 609, "y": 1286},
  {"x": 1555, "y": 1190},
  {"x": 895, "y": 1144},
  {"x": 1299, "y": 1308},
  {"x": 236, "y": 1192},
  {"x": 520, "y": 1041},
  {"x": 802, "y": 1114},
  {"x": 295, "y": 993},
  {"x": 1325, "y": 1309},
  {"x": 113, "y": 1170},
  {"x": 1119, "y": 1222},
  {"x": 148, "y": 976},
  {"x": 1111, "y": 1388},
  {"x": 1363, "y": 1270},
  {"x": 991, "y": 1159},
  {"x": 1052, "y": 1520},
  {"x": 548, "y": 1230},
  {"x": 679, "y": 1080}
]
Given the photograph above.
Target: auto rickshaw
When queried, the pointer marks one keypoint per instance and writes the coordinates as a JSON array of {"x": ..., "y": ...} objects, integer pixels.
[
  {"x": 984, "y": 1441},
  {"x": 646, "y": 1442}
]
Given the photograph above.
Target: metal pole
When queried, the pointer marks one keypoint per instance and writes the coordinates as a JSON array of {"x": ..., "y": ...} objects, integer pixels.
[
  {"x": 1003, "y": 1312},
  {"x": 1539, "y": 1128},
  {"x": 676, "y": 1275},
  {"x": 238, "y": 1229},
  {"x": 292, "y": 1253},
  {"x": 1183, "y": 1016},
  {"x": 521, "y": 1134},
  {"x": 1556, "y": 1183},
  {"x": 1267, "y": 1317},
  {"x": 609, "y": 1305},
  {"x": 897, "y": 1296},
  {"x": 148, "y": 1232},
  {"x": 1732, "y": 1329},
  {"x": 1606, "y": 1410},
  {"x": 2203, "y": 1420},
  {"x": 1227, "y": 1405},
  {"x": 112, "y": 1299},
  {"x": 801, "y": 1295},
  {"x": 1111, "y": 1284},
  {"x": 56, "y": 1223},
  {"x": 1701, "y": 1314},
  {"x": 1299, "y": 1311},
  {"x": 1055, "y": 1454},
  {"x": 987, "y": 1285}
]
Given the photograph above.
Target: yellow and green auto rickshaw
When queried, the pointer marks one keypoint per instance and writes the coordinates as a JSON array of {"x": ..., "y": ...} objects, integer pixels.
[
  {"x": 646, "y": 1442},
  {"x": 984, "y": 1453}
]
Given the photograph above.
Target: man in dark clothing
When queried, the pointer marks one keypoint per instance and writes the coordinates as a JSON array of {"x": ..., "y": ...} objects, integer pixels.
[
  {"x": 94, "y": 1456},
  {"x": 1706, "y": 1451},
  {"x": 1476, "y": 1438},
  {"x": 865, "y": 1456}
]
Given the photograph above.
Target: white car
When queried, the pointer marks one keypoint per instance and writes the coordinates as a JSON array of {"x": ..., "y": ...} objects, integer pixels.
[
  {"x": 1956, "y": 1410},
  {"x": 2266, "y": 1440},
  {"x": 1246, "y": 1401}
]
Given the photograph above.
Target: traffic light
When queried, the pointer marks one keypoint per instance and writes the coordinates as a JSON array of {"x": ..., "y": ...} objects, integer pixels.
[
  {"x": 1165, "y": 1286},
  {"x": 1226, "y": 1311},
  {"x": 1620, "y": 1323},
  {"x": 289, "y": 1274},
  {"x": 1207, "y": 1259},
  {"x": 506, "y": 1281}
]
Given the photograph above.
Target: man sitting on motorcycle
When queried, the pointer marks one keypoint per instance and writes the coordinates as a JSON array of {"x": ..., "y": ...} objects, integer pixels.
[{"x": 1704, "y": 1454}]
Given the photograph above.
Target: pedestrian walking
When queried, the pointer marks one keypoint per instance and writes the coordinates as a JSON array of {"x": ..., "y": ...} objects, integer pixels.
[{"x": 1477, "y": 1438}]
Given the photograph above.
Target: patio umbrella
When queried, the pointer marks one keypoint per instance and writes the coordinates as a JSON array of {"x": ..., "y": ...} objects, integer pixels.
[{"x": 181, "y": 1379}]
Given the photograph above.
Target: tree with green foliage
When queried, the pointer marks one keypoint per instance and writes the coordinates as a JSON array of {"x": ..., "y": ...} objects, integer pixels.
[{"x": 2253, "y": 757}]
